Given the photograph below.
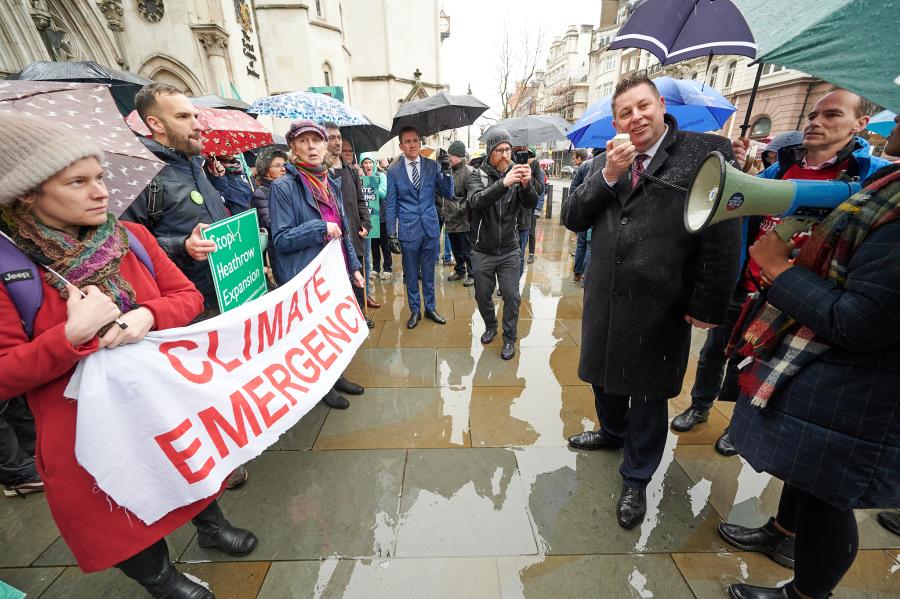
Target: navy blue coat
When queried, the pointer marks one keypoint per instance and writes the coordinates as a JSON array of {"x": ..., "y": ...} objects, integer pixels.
[
  {"x": 298, "y": 231},
  {"x": 834, "y": 429},
  {"x": 416, "y": 210}
]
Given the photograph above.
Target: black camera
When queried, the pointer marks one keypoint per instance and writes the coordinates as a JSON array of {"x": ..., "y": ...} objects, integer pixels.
[{"x": 521, "y": 157}]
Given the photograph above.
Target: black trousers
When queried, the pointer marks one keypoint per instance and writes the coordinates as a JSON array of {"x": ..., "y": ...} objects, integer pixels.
[
  {"x": 826, "y": 544},
  {"x": 641, "y": 423},
  {"x": 709, "y": 383},
  {"x": 462, "y": 252},
  {"x": 17, "y": 440},
  {"x": 382, "y": 253},
  {"x": 491, "y": 270},
  {"x": 534, "y": 220}
]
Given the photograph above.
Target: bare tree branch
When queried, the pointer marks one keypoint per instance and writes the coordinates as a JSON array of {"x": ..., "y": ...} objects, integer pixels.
[{"x": 516, "y": 58}]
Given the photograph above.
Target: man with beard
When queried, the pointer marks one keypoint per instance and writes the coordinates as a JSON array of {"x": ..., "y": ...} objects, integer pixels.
[
  {"x": 498, "y": 191},
  {"x": 180, "y": 201}
]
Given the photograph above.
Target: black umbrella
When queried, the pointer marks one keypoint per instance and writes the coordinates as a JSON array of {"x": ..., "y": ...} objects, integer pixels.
[
  {"x": 531, "y": 129},
  {"x": 123, "y": 85},
  {"x": 438, "y": 113},
  {"x": 365, "y": 138},
  {"x": 220, "y": 102}
]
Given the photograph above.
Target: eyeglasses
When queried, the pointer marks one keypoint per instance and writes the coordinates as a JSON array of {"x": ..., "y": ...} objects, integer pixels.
[{"x": 506, "y": 151}]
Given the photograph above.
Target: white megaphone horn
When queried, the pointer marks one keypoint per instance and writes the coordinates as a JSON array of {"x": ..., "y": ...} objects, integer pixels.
[{"x": 720, "y": 192}]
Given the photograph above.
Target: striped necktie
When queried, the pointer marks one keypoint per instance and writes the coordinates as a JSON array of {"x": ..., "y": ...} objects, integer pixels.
[
  {"x": 415, "y": 174},
  {"x": 637, "y": 168}
]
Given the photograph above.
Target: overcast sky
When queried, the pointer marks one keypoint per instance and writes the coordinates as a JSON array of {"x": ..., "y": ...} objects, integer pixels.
[{"x": 469, "y": 55}]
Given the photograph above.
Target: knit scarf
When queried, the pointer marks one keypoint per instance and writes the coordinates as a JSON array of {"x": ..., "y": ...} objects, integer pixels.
[
  {"x": 233, "y": 168},
  {"x": 316, "y": 180},
  {"x": 779, "y": 345},
  {"x": 92, "y": 258}
]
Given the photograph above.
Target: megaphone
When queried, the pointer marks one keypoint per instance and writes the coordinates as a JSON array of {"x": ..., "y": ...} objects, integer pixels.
[{"x": 720, "y": 192}]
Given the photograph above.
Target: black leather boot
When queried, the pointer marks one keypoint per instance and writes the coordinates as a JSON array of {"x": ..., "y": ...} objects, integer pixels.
[
  {"x": 765, "y": 539},
  {"x": 153, "y": 570},
  {"x": 213, "y": 530},
  {"x": 748, "y": 591},
  {"x": 689, "y": 419}
]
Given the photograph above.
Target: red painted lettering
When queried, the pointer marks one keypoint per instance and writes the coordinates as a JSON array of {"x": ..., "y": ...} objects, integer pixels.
[
  {"x": 294, "y": 311},
  {"x": 262, "y": 403},
  {"x": 285, "y": 383},
  {"x": 213, "y": 355},
  {"x": 330, "y": 335},
  {"x": 202, "y": 377},
  {"x": 266, "y": 332},
  {"x": 316, "y": 350},
  {"x": 179, "y": 458},
  {"x": 318, "y": 283},
  {"x": 309, "y": 365},
  {"x": 352, "y": 307},
  {"x": 247, "y": 339},
  {"x": 215, "y": 423}
]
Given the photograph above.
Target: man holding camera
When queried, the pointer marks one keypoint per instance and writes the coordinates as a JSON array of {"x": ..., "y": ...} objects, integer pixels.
[
  {"x": 498, "y": 190},
  {"x": 412, "y": 183}
]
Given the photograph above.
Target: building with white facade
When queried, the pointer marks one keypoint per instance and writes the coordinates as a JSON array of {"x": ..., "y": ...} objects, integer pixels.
[{"x": 241, "y": 48}]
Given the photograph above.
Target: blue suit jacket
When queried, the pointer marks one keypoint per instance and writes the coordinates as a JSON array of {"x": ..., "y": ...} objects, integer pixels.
[{"x": 415, "y": 209}]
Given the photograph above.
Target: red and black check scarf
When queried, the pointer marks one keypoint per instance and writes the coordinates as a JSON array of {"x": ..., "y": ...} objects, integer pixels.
[{"x": 780, "y": 346}]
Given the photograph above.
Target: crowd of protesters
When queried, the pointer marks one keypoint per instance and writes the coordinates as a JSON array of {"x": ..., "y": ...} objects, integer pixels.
[{"x": 804, "y": 335}]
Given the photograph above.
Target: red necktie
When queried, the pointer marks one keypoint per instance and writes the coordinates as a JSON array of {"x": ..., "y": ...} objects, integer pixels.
[{"x": 637, "y": 168}]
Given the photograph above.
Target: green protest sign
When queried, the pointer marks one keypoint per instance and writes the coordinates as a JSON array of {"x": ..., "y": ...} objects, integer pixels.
[
  {"x": 237, "y": 263},
  {"x": 369, "y": 185}
]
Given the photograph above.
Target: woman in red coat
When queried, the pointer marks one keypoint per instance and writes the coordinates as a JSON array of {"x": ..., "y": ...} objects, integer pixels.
[{"x": 53, "y": 205}]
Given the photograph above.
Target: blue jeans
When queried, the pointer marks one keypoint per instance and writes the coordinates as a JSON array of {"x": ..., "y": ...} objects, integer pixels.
[
  {"x": 367, "y": 263},
  {"x": 581, "y": 247},
  {"x": 447, "y": 256},
  {"x": 523, "y": 243}
]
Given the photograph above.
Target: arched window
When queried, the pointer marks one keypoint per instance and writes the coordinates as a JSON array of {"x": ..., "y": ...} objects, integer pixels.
[
  {"x": 729, "y": 75},
  {"x": 327, "y": 73},
  {"x": 761, "y": 127},
  {"x": 713, "y": 76}
]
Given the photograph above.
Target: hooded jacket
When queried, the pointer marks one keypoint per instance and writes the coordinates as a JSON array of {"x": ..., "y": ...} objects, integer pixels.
[
  {"x": 456, "y": 212},
  {"x": 179, "y": 210},
  {"x": 495, "y": 210},
  {"x": 381, "y": 188}
]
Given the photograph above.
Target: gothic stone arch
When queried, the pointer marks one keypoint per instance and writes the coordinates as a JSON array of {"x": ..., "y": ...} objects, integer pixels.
[{"x": 168, "y": 70}]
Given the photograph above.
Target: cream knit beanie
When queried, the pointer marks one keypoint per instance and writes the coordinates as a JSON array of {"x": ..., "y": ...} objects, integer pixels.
[{"x": 33, "y": 149}]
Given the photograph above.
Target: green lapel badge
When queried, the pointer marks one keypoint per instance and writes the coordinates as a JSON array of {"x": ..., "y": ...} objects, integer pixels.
[{"x": 196, "y": 197}]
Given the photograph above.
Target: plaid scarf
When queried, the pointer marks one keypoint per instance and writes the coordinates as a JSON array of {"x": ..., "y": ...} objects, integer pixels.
[
  {"x": 780, "y": 346},
  {"x": 91, "y": 258}
]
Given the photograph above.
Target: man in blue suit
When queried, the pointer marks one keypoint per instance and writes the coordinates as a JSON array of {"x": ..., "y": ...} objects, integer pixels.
[{"x": 413, "y": 182}]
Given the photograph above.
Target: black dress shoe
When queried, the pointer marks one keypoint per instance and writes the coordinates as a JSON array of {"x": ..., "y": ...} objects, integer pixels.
[
  {"x": 748, "y": 591},
  {"x": 765, "y": 539},
  {"x": 594, "y": 440},
  {"x": 689, "y": 418},
  {"x": 335, "y": 400},
  {"x": 488, "y": 336},
  {"x": 723, "y": 445},
  {"x": 345, "y": 385},
  {"x": 454, "y": 277},
  {"x": 413, "y": 320},
  {"x": 433, "y": 315},
  {"x": 214, "y": 531},
  {"x": 370, "y": 323},
  {"x": 631, "y": 507},
  {"x": 509, "y": 351},
  {"x": 890, "y": 520}
]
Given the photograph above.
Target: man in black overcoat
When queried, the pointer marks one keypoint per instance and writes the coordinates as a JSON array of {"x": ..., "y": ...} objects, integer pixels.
[{"x": 648, "y": 281}]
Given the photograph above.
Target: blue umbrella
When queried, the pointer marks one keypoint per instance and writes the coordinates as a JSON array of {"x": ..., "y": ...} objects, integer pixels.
[
  {"x": 882, "y": 123},
  {"x": 308, "y": 105},
  {"x": 676, "y": 30},
  {"x": 695, "y": 108}
]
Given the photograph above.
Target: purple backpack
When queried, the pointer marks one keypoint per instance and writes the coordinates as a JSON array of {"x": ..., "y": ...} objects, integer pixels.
[{"x": 22, "y": 279}]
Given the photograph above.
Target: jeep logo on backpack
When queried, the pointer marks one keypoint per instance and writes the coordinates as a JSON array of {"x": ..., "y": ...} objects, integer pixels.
[{"x": 14, "y": 276}]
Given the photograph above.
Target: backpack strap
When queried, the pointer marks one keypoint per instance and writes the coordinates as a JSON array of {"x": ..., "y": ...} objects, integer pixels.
[
  {"x": 23, "y": 283},
  {"x": 155, "y": 198},
  {"x": 135, "y": 245},
  {"x": 22, "y": 278}
]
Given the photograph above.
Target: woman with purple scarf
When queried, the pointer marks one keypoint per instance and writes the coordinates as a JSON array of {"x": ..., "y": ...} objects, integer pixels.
[{"x": 306, "y": 213}]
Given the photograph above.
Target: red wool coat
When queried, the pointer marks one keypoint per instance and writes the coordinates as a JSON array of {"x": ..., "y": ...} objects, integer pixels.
[{"x": 99, "y": 532}]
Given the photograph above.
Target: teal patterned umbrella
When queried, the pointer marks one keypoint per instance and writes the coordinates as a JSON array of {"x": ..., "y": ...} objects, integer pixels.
[{"x": 308, "y": 105}]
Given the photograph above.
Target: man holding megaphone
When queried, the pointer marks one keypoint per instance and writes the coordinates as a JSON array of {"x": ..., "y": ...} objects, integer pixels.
[{"x": 648, "y": 281}]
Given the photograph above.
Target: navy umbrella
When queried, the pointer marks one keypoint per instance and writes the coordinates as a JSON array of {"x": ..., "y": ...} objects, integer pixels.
[
  {"x": 214, "y": 101},
  {"x": 676, "y": 30},
  {"x": 122, "y": 84}
]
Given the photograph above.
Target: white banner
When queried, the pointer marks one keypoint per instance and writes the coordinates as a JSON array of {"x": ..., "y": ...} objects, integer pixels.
[{"x": 161, "y": 423}]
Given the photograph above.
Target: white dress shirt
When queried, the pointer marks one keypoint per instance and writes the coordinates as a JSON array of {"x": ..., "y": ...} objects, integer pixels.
[
  {"x": 649, "y": 153},
  {"x": 409, "y": 168}
]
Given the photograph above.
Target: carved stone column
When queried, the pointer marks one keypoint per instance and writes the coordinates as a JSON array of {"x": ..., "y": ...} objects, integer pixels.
[
  {"x": 56, "y": 39},
  {"x": 214, "y": 41},
  {"x": 113, "y": 12}
]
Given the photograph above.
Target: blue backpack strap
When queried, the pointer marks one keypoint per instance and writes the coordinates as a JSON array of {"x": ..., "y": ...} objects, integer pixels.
[
  {"x": 23, "y": 283},
  {"x": 140, "y": 251}
]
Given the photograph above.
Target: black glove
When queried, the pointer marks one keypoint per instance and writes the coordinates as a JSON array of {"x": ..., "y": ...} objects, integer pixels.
[
  {"x": 444, "y": 159},
  {"x": 394, "y": 245}
]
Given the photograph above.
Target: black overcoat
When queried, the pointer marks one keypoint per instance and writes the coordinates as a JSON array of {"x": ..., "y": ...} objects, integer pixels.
[{"x": 647, "y": 271}]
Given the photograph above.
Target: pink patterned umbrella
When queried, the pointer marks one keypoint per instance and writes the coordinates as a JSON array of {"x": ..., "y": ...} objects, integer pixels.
[
  {"x": 227, "y": 131},
  {"x": 89, "y": 108}
]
